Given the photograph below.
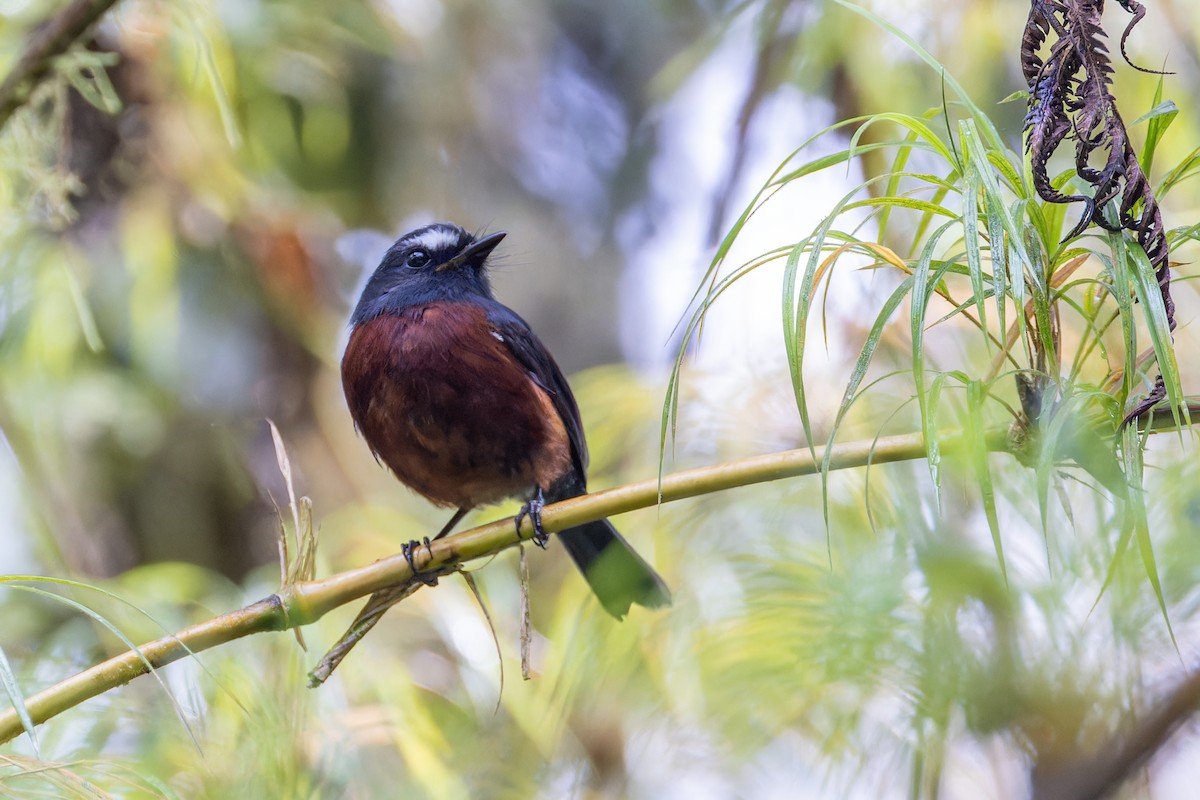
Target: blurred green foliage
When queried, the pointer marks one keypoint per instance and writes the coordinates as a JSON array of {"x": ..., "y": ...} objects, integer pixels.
[{"x": 171, "y": 277}]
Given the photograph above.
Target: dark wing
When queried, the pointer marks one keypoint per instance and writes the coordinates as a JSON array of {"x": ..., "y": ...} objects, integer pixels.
[{"x": 534, "y": 356}]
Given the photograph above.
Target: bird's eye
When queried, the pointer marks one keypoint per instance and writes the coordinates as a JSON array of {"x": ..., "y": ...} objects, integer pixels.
[{"x": 417, "y": 259}]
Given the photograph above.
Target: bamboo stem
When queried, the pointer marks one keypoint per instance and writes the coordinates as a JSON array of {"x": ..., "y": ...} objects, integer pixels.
[{"x": 304, "y": 603}]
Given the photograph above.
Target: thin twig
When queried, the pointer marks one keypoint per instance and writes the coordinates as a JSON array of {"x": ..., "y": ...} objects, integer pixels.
[{"x": 47, "y": 42}]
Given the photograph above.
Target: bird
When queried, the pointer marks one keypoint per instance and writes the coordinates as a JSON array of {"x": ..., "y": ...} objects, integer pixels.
[{"x": 459, "y": 398}]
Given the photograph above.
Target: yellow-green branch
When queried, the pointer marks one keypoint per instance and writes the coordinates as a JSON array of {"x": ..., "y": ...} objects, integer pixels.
[{"x": 304, "y": 603}]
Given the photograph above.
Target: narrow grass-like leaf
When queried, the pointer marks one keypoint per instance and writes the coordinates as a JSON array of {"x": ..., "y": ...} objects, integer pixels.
[
  {"x": 772, "y": 184},
  {"x": 669, "y": 411},
  {"x": 1011, "y": 175},
  {"x": 793, "y": 338},
  {"x": 66, "y": 783},
  {"x": 856, "y": 377},
  {"x": 981, "y": 119},
  {"x": 1046, "y": 430},
  {"x": 916, "y": 125},
  {"x": 1014, "y": 331},
  {"x": 796, "y": 323},
  {"x": 1141, "y": 525},
  {"x": 690, "y": 329},
  {"x": 1150, "y": 299},
  {"x": 129, "y": 645},
  {"x": 995, "y": 198},
  {"x": 1045, "y": 314},
  {"x": 976, "y": 397},
  {"x": 16, "y": 583},
  {"x": 801, "y": 293},
  {"x": 17, "y": 698},
  {"x": 1003, "y": 232},
  {"x": 1189, "y": 167},
  {"x": 1178, "y": 236},
  {"x": 202, "y": 36},
  {"x": 1082, "y": 353},
  {"x": 929, "y": 424},
  {"x": 847, "y": 155},
  {"x": 87, "y": 320},
  {"x": 942, "y": 191},
  {"x": 922, "y": 293},
  {"x": 1118, "y": 553},
  {"x": 998, "y": 254},
  {"x": 1160, "y": 118},
  {"x": 903, "y": 202},
  {"x": 971, "y": 236},
  {"x": 1123, "y": 294},
  {"x": 892, "y": 189},
  {"x": 962, "y": 309},
  {"x": 900, "y": 407},
  {"x": 87, "y": 72}
]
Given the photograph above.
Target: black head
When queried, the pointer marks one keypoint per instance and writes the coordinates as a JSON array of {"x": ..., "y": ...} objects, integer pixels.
[{"x": 438, "y": 262}]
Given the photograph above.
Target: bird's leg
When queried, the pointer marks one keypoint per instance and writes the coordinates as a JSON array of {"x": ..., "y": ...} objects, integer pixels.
[
  {"x": 533, "y": 510},
  {"x": 409, "y": 548},
  {"x": 449, "y": 526}
]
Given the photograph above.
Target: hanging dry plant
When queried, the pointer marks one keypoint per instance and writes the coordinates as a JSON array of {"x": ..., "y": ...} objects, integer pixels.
[{"x": 1070, "y": 97}]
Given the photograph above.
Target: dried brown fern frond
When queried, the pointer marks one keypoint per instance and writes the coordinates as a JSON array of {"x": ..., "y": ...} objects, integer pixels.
[{"x": 1070, "y": 97}]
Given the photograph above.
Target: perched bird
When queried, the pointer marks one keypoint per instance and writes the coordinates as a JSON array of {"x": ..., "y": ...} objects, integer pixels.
[{"x": 458, "y": 397}]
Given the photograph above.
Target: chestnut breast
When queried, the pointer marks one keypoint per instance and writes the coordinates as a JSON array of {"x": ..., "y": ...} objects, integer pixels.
[{"x": 442, "y": 401}]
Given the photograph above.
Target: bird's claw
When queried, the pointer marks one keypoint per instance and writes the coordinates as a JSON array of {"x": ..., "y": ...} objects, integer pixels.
[
  {"x": 533, "y": 510},
  {"x": 407, "y": 549}
]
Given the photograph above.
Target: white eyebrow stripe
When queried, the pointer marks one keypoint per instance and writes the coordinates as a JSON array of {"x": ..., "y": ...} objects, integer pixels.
[{"x": 437, "y": 239}]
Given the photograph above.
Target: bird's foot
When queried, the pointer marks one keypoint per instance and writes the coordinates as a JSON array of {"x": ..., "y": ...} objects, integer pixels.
[
  {"x": 407, "y": 551},
  {"x": 533, "y": 510}
]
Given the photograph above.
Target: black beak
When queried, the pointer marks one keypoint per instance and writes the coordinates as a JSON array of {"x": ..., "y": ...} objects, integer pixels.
[{"x": 474, "y": 253}]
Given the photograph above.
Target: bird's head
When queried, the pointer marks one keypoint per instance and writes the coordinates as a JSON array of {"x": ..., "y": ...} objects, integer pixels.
[{"x": 438, "y": 262}]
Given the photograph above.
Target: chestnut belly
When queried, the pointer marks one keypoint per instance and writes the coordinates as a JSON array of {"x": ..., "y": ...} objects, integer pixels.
[{"x": 447, "y": 407}]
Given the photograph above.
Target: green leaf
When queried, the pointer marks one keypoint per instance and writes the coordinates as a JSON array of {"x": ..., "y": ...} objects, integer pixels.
[
  {"x": 1160, "y": 118},
  {"x": 971, "y": 236},
  {"x": 922, "y": 293},
  {"x": 981, "y": 119},
  {"x": 903, "y": 202},
  {"x": 916, "y": 125},
  {"x": 1150, "y": 298},
  {"x": 977, "y": 436},
  {"x": 17, "y": 698},
  {"x": 115, "y": 631},
  {"x": 1164, "y": 109},
  {"x": 856, "y": 377},
  {"x": 1189, "y": 167},
  {"x": 1141, "y": 525}
]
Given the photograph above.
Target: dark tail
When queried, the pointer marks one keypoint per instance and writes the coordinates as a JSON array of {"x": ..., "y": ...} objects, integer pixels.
[{"x": 614, "y": 570}]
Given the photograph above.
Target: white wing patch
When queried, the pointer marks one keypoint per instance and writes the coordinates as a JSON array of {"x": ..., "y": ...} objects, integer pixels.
[{"x": 498, "y": 336}]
